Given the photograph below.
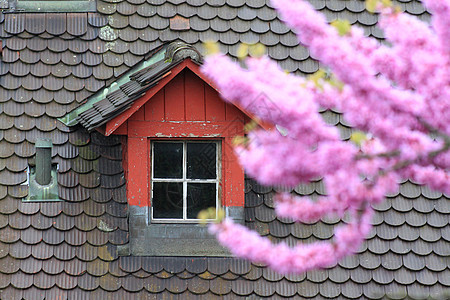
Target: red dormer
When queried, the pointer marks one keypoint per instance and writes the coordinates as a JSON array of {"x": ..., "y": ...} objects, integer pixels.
[{"x": 177, "y": 147}]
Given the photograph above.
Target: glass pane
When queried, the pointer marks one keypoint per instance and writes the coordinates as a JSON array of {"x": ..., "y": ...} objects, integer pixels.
[
  {"x": 201, "y": 160},
  {"x": 167, "y": 200},
  {"x": 168, "y": 160},
  {"x": 200, "y": 196}
]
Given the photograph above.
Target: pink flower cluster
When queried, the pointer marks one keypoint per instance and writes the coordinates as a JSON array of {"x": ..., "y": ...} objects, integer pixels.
[
  {"x": 248, "y": 244},
  {"x": 399, "y": 95}
]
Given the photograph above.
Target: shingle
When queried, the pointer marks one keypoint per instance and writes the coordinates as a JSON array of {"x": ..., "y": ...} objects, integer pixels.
[
  {"x": 416, "y": 219},
  {"x": 176, "y": 285},
  {"x": 126, "y": 9},
  {"x": 30, "y": 265},
  {"x": 14, "y": 23},
  {"x": 15, "y": 44},
  {"x": 218, "y": 3},
  {"x": 430, "y": 234},
  {"x": 11, "y": 293},
  {"x": 308, "y": 289},
  {"x": 404, "y": 276},
  {"x": 351, "y": 290},
  {"x": 88, "y": 282},
  {"x": 70, "y": 58},
  {"x": 97, "y": 267},
  {"x": 35, "y": 110},
  {"x": 312, "y": 66},
  {"x": 423, "y": 205},
  {"x": 6, "y": 121},
  {"x": 444, "y": 277},
  {"x": 429, "y": 193},
  {"x": 132, "y": 284},
  {"x": 19, "y": 69},
  {"x": 152, "y": 264},
  {"x": 9, "y": 265},
  {"x": 39, "y": 69},
  {"x": 53, "y": 266},
  {"x": 373, "y": 291},
  {"x": 426, "y": 277},
  {"x": 369, "y": 260},
  {"x": 329, "y": 290},
  {"x": 278, "y": 27},
  {"x": 28, "y": 208},
  {"x": 317, "y": 275},
  {"x": 4, "y": 69},
  {"x": 235, "y": 3},
  {"x": 20, "y": 250},
  {"x": 118, "y": 21},
  {"x": 53, "y": 236},
  {"x": 7, "y": 81},
  {"x": 441, "y": 248},
  {"x": 335, "y": 5},
  {"x": 19, "y": 221},
  {"x": 391, "y": 261},
  {"x": 338, "y": 274},
  {"x": 97, "y": 20},
  {"x": 55, "y": 23},
  {"x": 3, "y": 223},
  {"x": 408, "y": 233},
  {"x": 40, "y": 221},
  {"x": 400, "y": 204},
  {"x": 415, "y": 8},
  {"x": 146, "y": 10},
  {"x": 154, "y": 284},
  {"x": 77, "y": 23},
  {"x": 421, "y": 247},
  {"x": 42, "y": 251},
  {"x": 394, "y": 218},
  {"x": 15, "y": 136},
  {"x": 386, "y": 232},
  {"x": 436, "y": 263},
  {"x": 21, "y": 280},
  {"x": 418, "y": 292},
  {"x": 110, "y": 283}
]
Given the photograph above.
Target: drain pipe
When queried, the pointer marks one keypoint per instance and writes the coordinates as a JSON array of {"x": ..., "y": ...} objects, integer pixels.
[{"x": 43, "y": 161}]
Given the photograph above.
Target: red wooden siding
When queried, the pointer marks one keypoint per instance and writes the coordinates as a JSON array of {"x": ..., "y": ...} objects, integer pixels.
[
  {"x": 187, "y": 98},
  {"x": 185, "y": 108}
]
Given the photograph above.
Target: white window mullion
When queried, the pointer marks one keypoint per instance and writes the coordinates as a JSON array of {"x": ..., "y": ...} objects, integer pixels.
[{"x": 184, "y": 181}]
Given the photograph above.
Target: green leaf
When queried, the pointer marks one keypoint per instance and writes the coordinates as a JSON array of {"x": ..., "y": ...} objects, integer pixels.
[
  {"x": 257, "y": 50},
  {"x": 343, "y": 27},
  {"x": 334, "y": 81},
  {"x": 211, "y": 47},
  {"x": 386, "y": 3},
  {"x": 316, "y": 77},
  {"x": 371, "y": 5},
  {"x": 358, "y": 137},
  {"x": 242, "y": 51}
]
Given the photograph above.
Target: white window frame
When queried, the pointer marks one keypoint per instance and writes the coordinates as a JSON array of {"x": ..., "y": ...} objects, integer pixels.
[{"x": 186, "y": 180}]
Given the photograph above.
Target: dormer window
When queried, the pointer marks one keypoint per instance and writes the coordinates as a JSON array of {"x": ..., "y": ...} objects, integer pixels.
[{"x": 178, "y": 151}]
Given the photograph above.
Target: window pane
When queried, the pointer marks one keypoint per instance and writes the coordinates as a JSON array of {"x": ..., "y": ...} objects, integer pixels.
[
  {"x": 200, "y": 196},
  {"x": 201, "y": 160},
  {"x": 167, "y": 200},
  {"x": 168, "y": 160}
]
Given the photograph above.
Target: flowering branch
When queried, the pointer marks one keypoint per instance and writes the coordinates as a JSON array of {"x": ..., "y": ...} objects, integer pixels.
[{"x": 398, "y": 94}]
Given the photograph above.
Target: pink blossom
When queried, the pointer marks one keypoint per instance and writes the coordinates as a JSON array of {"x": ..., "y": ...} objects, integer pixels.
[{"x": 399, "y": 95}]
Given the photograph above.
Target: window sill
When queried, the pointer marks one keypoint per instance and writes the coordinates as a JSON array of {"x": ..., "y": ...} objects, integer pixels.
[
  {"x": 174, "y": 239},
  {"x": 56, "y": 6}
]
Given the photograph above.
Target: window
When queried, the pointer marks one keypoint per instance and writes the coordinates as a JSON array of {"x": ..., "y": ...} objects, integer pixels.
[{"x": 185, "y": 179}]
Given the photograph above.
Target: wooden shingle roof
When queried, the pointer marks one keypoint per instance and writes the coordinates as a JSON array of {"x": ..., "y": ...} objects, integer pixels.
[{"x": 50, "y": 63}]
